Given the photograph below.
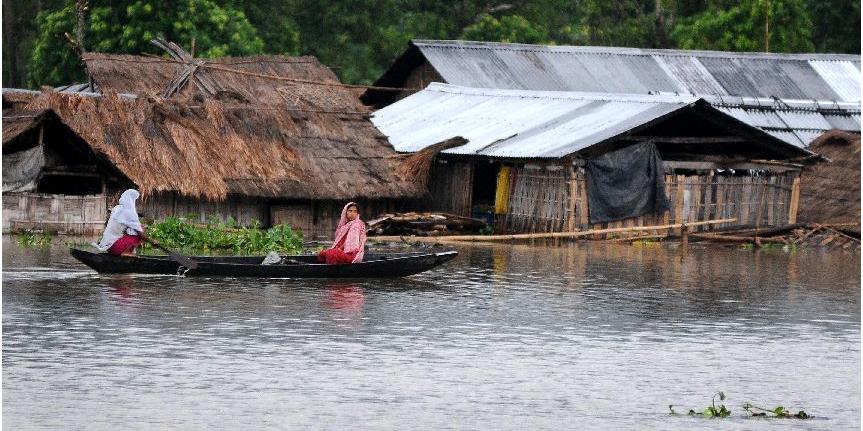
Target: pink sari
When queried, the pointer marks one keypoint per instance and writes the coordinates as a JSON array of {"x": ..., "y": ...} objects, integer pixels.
[{"x": 351, "y": 235}]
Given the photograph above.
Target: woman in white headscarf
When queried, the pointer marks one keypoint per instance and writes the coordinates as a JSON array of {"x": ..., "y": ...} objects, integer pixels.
[
  {"x": 349, "y": 245},
  {"x": 123, "y": 233}
]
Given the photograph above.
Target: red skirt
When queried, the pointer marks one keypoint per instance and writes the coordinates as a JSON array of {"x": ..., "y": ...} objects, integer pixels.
[
  {"x": 125, "y": 244},
  {"x": 335, "y": 256}
]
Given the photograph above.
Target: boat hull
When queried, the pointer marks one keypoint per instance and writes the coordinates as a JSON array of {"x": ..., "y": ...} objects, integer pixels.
[{"x": 303, "y": 266}]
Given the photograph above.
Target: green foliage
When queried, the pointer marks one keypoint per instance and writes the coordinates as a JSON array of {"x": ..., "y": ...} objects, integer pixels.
[
  {"x": 28, "y": 239},
  {"x": 620, "y": 23},
  {"x": 778, "y": 412},
  {"x": 53, "y": 61},
  {"x": 836, "y": 25},
  {"x": 740, "y": 27},
  {"x": 711, "y": 411},
  {"x": 222, "y": 237},
  {"x": 360, "y": 38},
  {"x": 721, "y": 412},
  {"x": 128, "y": 27},
  {"x": 509, "y": 29}
]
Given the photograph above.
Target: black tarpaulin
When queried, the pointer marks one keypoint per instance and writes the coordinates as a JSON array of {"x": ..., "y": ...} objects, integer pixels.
[{"x": 625, "y": 183}]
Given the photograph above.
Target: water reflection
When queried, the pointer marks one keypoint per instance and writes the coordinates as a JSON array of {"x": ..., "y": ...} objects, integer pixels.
[{"x": 347, "y": 297}]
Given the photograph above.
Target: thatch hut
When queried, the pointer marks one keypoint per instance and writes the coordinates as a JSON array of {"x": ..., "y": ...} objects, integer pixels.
[
  {"x": 831, "y": 190},
  {"x": 274, "y": 139}
]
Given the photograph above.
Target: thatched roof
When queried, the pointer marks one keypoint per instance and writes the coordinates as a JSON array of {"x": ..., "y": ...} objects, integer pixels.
[
  {"x": 260, "y": 135},
  {"x": 830, "y": 192},
  {"x": 259, "y": 79}
]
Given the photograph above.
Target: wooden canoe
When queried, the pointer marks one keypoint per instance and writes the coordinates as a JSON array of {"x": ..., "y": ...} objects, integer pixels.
[{"x": 301, "y": 266}]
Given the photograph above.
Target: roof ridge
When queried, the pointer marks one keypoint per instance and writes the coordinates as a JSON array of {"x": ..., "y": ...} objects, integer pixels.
[{"x": 631, "y": 50}]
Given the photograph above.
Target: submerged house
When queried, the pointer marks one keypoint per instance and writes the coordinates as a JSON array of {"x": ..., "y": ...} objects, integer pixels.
[
  {"x": 273, "y": 139},
  {"x": 779, "y": 101},
  {"x": 542, "y": 160}
]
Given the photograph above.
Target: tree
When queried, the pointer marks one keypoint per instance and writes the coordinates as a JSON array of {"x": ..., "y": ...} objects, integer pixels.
[
  {"x": 750, "y": 25},
  {"x": 128, "y": 28},
  {"x": 511, "y": 29},
  {"x": 836, "y": 25},
  {"x": 54, "y": 62},
  {"x": 620, "y": 23}
]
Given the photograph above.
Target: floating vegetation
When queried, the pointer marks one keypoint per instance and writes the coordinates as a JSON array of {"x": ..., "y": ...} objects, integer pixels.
[
  {"x": 778, "y": 412},
  {"x": 223, "y": 237},
  {"x": 29, "y": 239},
  {"x": 711, "y": 411},
  {"x": 722, "y": 412}
]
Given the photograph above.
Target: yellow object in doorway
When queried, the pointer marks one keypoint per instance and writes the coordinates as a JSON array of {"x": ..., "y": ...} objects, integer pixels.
[{"x": 501, "y": 197}]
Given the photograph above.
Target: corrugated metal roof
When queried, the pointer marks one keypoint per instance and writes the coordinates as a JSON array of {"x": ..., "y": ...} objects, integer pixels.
[
  {"x": 637, "y": 71},
  {"x": 791, "y": 120},
  {"x": 521, "y": 123}
]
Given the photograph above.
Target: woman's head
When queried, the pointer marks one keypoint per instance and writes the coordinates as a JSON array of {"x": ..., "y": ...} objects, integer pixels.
[
  {"x": 352, "y": 211},
  {"x": 129, "y": 197}
]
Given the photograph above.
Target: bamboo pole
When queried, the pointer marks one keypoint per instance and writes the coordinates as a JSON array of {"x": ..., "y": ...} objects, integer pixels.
[
  {"x": 795, "y": 199},
  {"x": 545, "y": 234}
]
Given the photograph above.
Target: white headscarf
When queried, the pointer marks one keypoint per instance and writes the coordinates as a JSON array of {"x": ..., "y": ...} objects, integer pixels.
[{"x": 123, "y": 220}]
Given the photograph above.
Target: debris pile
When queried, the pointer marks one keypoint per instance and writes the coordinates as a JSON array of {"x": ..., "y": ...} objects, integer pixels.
[
  {"x": 424, "y": 224},
  {"x": 835, "y": 236}
]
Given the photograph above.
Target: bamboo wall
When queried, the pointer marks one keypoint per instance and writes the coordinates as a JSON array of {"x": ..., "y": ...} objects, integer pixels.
[
  {"x": 318, "y": 219},
  {"x": 243, "y": 209},
  {"x": 538, "y": 200},
  {"x": 543, "y": 200},
  {"x": 451, "y": 187},
  {"x": 64, "y": 214}
]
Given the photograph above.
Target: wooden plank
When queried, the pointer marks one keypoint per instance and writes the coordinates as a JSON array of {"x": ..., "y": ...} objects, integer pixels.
[
  {"x": 719, "y": 197},
  {"x": 770, "y": 200},
  {"x": 795, "y": 198},
  {"x": 584, "y": 214},
  {"x": 697, "y": 207},
  {"x": 592, "y": 232},
  {"x": 709, "y": 205},
  {"x": 669, "y": 179},
  {"x": 678, "y": 207}
]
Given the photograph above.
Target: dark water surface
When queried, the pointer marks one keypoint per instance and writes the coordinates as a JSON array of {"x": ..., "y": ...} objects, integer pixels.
[{"x": 581, "y": 336}]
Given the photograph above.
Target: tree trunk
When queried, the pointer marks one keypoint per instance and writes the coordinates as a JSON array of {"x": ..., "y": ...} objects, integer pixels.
[
  {"x": 659, "y": 27},
  {"x": 80, "y": 10}
]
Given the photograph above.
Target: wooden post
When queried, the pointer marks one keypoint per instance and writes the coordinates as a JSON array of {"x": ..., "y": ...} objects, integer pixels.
[
  {"x": 684, "y": 236},
  {"x": 795, "y": 197},
  {"x": 583, "y": 207},
  {"x": 573, "y": 193},
  {"x": 678, "y": 206}
]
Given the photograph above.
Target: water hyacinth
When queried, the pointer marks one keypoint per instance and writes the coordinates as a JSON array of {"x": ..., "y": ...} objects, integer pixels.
[{"x": 224, "y": 237}]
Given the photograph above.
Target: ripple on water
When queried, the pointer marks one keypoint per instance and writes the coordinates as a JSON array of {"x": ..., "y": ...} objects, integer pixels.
[{"x": 503, "y": 337}]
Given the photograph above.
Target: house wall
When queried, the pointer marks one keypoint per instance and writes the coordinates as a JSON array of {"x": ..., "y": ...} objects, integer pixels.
[
  {"x": 419, "y": 77},
  {"x": 243, "y": 209},
  {"x": 64, "y": 214},
  {"x": 451, "y": 187},
  {"x": 546, "y": 198},
  {"x": 318, "y": 219}
]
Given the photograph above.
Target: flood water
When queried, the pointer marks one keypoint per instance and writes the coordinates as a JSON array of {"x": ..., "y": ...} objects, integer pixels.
[{"x": 578, "y": 336}]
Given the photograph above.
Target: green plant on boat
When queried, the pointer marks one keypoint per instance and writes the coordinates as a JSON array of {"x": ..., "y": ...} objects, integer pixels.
[
  {"x": 29, "y": 239},
  {"x": 778, "y": 412},
  {"x": 223, "y": 237},
  {"x": 486, "y": 230},
  {"x": 711, "y": 411}
]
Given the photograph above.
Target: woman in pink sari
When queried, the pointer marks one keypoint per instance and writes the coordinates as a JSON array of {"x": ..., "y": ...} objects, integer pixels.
[{"x": 349, "y": 245}]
